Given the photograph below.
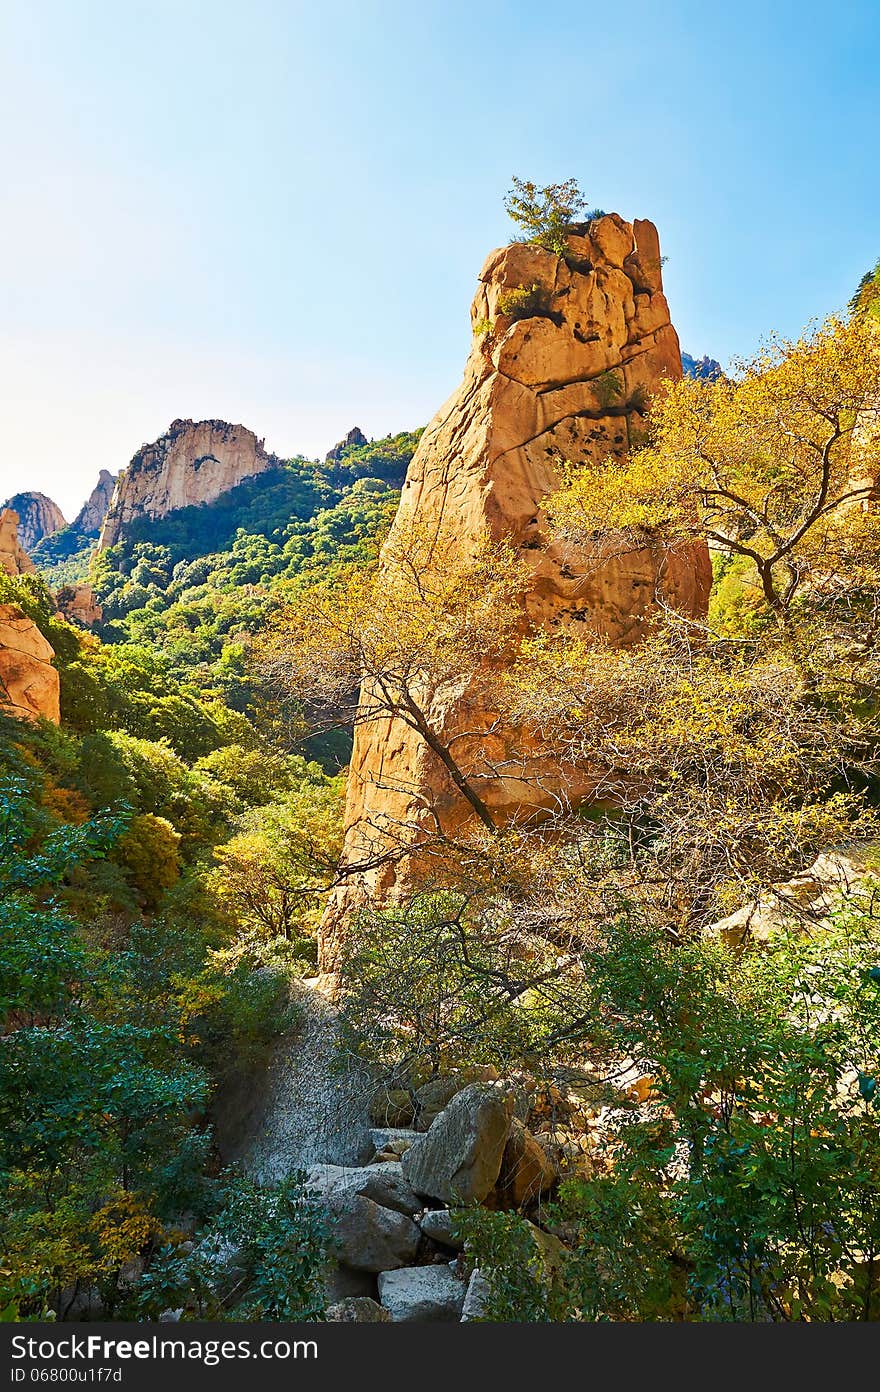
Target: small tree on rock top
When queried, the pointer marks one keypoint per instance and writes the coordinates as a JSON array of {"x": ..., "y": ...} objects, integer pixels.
[{"x": 545, "y": 214}]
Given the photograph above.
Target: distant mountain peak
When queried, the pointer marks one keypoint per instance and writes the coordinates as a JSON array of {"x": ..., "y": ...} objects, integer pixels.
[
  {"x": 193, "y": 462},
  {"x": 353, "y": 440},
  {"x": 703, "y": 369},
  {"x": 38, "y": 517}
]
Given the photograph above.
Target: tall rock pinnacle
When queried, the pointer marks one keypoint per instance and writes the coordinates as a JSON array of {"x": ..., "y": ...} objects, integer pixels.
[
  {"x": 90, "y": 517},
  {"x": 567, "y": 351}
]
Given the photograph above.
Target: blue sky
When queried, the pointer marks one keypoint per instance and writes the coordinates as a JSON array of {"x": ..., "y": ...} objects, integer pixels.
[{"x": 275, "y": 212}]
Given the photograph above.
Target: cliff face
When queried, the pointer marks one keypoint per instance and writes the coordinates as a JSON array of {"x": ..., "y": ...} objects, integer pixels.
[
  {"x": 38, "y": 517},
  {"x": 77, "y": 603},
  {"x": 193, "y": 462},
  {"x": 14, "y": 560},
  {"x": 90, "y": 517},
  {"x": 568, "y": 380},
  {"x": 29, "y": 685}
]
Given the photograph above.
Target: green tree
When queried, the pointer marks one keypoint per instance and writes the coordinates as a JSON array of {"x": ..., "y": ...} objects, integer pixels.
[{"x": 545, "y": 214}]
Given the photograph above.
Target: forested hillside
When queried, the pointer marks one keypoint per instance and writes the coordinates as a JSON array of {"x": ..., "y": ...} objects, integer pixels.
[
  {"x": 195, "y": 586},
  {"x": 159, "y": 855}
]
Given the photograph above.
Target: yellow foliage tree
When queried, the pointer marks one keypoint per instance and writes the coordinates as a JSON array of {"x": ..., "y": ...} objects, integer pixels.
[
  {"x": 149, "y": 850},
  {"x": 726, "y": 757},
  {"x": 776, "y": 467},
  {"x": 378, "y": 646}
]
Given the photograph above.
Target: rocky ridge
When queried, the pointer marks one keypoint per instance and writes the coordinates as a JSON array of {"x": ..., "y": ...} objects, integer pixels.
[
  {"x": 704, "y": 369},
  {"x": 353, "y": 440},
  {"x": 193, "y": 462}
]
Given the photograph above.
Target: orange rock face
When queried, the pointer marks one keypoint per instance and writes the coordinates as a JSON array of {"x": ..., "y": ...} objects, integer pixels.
[
  {"x": 566, "y": 354},
  {"x": 14, "y": 560},
  {"x": 78, "y": 605},
  {"x": 28, "y": 682}
]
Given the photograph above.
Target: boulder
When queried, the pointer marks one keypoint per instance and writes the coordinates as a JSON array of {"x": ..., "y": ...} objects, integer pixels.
[
  {"x": 550, "y": 1252},
  {"x": 392, "y": 1138},
  {"x": 436, "y": 1223},
  {"x": 527, "y": 1171},
  {"x": 392, "y": 1107},
  {"x": 437, "y": 1093},
  {"x": 458, "y": 1158},
  {"x": 29, "y": 684},
  {"x": 476, "y": 1297},
  {"x": 804, "y": 903},
  {"x": 383, "y": 1183},
  {"x": 421, "y": 1293},
  {"x": 358, "y": 1309},
  {"x": 368, "y": 1237}
]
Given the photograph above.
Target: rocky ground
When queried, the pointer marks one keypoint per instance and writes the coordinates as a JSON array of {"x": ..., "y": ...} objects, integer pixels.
[
  {"x": 392, "y": 1165},
  {"x": 314, "y": 1104}
]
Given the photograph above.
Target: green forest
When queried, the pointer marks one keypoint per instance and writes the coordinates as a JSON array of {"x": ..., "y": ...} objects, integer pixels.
[{"x": 160, "y": 855}]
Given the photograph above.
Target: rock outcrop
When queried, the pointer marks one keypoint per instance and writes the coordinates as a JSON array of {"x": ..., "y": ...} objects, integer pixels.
[
  {"x": 14, "y": 560},
  {"x": 38, "y": 517},
  {"x": 193, "y": 462},
  {"x": 357, "y": 1309},
  {"x": 807, "y": 902},
  {"x": 458, "y": 1159},
  {"x": 90, "y": 518},
  {"x": 423, "y": 1293},
  {"x": 704, "y": 369},
  {"x": 29, "y": 685},
  {"x": 353, "y": 440},
  {"x": 567, "y": 352},
  {"x": 79, "y": 606}
]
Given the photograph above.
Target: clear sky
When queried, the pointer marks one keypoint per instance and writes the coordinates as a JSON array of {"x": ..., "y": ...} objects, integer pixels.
[{"x": 274, "y": 212}]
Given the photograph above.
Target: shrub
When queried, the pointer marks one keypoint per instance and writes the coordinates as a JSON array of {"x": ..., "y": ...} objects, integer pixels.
[
  {"x": 525, "y": 302},
  {"x": 545, "y": 213},
  {"x": 149, "y": 850},
  {"x": 262, "y": 1257}
]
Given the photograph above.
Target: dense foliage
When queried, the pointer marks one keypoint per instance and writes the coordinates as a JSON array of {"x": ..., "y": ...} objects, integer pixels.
[
  {"x": 162, "y": 858},
  {"x": 131, "y": 983},
  {"x": 545, "y": 214}
]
